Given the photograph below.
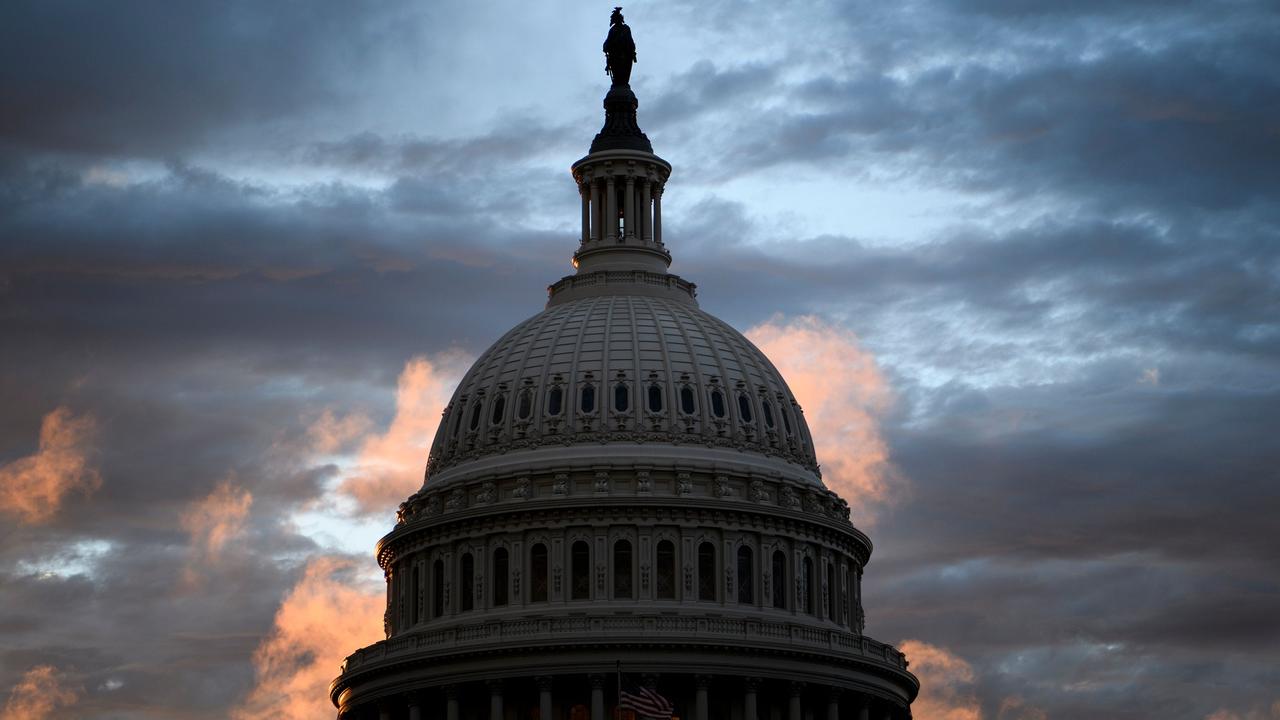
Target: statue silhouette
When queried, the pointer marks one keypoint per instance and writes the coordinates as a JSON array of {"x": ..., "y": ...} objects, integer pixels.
[{"x": 619, "y": 50}]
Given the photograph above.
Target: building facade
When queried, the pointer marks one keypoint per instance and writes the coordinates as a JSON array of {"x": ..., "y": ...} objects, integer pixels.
[{"x": 623, "y": 489}]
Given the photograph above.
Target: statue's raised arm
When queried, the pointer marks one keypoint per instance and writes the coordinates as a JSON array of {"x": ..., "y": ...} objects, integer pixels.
[{"x": 619, "y": 50}]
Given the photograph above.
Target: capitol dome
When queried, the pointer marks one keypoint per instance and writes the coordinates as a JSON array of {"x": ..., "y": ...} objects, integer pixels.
[{"x": 623, "y": 492}]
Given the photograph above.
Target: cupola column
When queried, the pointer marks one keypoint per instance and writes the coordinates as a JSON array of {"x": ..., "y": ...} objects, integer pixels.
[
  {"x": 646, "y": 212},
  {"x": 495, "y": 700},
  {"x": 657, "y": 217},
  {"x": 700, "y": 699},
  {"x": 610, "y": 211},
  {"x": 544, "y": 697},
  {"x": 749, "y": 699},
  {"x": 629, "y": 209},
  {"x": 595, "y": 210},
  {"x": 586, "y": 212},
  {"x": 597, "y": 697}
]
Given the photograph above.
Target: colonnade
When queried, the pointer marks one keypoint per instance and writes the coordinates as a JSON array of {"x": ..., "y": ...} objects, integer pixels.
[
  {"x": 753, "y": 701},
  {"x": 633, "y": 203}
]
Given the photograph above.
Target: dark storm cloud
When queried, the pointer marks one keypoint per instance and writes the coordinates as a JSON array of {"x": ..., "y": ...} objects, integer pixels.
[{"x": 151, "y": 79}]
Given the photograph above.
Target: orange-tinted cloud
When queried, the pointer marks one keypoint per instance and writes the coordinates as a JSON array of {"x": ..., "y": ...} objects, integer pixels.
[
  {"x": 330, "y": 433},
  {"x": 41, "y": 691},
  {"x": 389, "y": 466},
  {"x": 213, "y": 522},
  {"x": 946, "y": 683},
  {"x": 1015, "y": 708},
  {"x": 842, "y": 393},
  {"x": 323, "y": 619},
  {"x": 33, "y": 487}
]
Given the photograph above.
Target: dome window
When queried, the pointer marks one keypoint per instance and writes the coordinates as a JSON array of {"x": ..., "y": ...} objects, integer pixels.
[
  {"x": 501, "y": 567},
  {"x": 833, "y": 594},
  {"x": 707, "y": 572},
  {"x": 746, "y": 576},
  {"x": 555, "y": 401},
  {"x": 621, "y": 397},
  {"x": 786, "y": 421},
  {"x": 475, "y": 417},
  {"x": 655, "y": 399},
  {"x": 457, "y": 421},
  {"x": 687, "y": 404},
  {"x": 780, "y": 583},
  {"x": 499, "y": 410},
  {"x": 437, "y": 588},
  {"x": 744, "y": 407},
  {"x": 415, "y": 601},
  {"x": 581, "y": 566},
  {"x": 666, "y": 562},
  {"x": 467, "y": 584},
  {"x": 766, "y": 409},
  {"x": 809, "y": 583},
  {"x": 588, "y": 399},
  {"x": 717, "y": 403},
  {"x": 538, "y": 573},
  {"x": 524, "y": 404},
  {"x": 622, "y": 569}
]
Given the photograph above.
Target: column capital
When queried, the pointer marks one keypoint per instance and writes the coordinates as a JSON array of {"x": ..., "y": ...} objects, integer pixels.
[
  {"x": 544, "y": 681},
  {"x": 752, "y": 683},
  {"x": 450, "y": 691},
  {"x": 596, "y": 679},
  {"x": 702, "y": 682},
  {"x": 797, "y": 688}
]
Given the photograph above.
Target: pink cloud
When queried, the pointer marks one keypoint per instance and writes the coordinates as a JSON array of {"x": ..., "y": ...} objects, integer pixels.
[
  {"x": 946, "y": 683},
  {"x": 33, "y": 487},
  {"x": 324, "y": 618},
  {"x": 389, "y": 465},
  {"x": 41, "y": 691},
  {"x": 843, "y": 394},
  {"x": 213, "y": 522}
]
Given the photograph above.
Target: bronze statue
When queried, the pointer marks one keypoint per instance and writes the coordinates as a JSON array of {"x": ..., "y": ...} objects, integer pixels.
[{"x": 619, "y": 50}]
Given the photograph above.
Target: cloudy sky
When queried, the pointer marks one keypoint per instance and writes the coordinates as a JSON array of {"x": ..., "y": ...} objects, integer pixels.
[{"x": 246, "y": 248}]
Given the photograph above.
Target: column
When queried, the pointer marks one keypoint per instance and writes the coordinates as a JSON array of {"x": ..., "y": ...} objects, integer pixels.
[
  {"x": 657, "y": 216},
  {"x": 793, "y": 711},
  {"x": 451, "y": 707},
  {"x": 700, "y": 703},
  {"x": 864, "y": 710},
  {"x": 646, "y": 210},
  {"x": 595, "y": 211},
  {"x": 610, "y": 211},
  {"x": 415, "y": 706},
  {"x": 384, "y": 712},
  {"x": 586, "y": 213},
  {"x": 629, "y": 209},
  {"x": 833, "y": 703},
  {"x": 749, "y": 699},
  {"x": 544, "y": 697},
  {"x": 495, "y": 700},
  {"x": 597, "y": 697}
]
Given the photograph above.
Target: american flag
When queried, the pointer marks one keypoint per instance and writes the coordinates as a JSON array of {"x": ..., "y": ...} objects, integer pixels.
[{"x": 645, "y": 702}]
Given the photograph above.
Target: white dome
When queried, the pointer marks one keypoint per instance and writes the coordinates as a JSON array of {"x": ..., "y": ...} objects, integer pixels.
[{"x": 615, "y": 370}]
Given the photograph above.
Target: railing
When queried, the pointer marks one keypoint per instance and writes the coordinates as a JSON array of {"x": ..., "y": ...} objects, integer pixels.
[{"x": 640, "y": 629}]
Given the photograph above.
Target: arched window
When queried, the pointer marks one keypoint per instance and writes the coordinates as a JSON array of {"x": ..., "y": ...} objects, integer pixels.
[
  {"x": 746, "y": 576},
  {"x": 717, "y": 403},
  {"x": 457, "y": 420},
  {"x": 621, "y": 397},
  {"x": 416, "y": 584},
  {"x": 706, "y": 571},
  {"x": 437, "y": 588},
  {"x": 588, "y": 399},
  {"x": 538, "y": 573},
  {"x": 833, "y": 594},
  {"x": 744, "y": 407},
  {"x": 580, "y": 584},
  {"x": 780, "y": 583},
  {"x": 524, "y": 405},
  {"x": 622, "y": 569},
  {"x": 655, "y": 398},
  {"x": 555, "y": 401},
  {"x": 766, "y": 409},
  {"x": 467, "y": 584},
  {"x": 666, "y": 562},
  {"x": 475, "y": 416},
  {"x": 687, "y": 404},
  {"x": 501, "y": 576},
  {"x": 499, "y": 410},
  {"x": 809, "y": 581},
  {"x": 786, "y": 421}
]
